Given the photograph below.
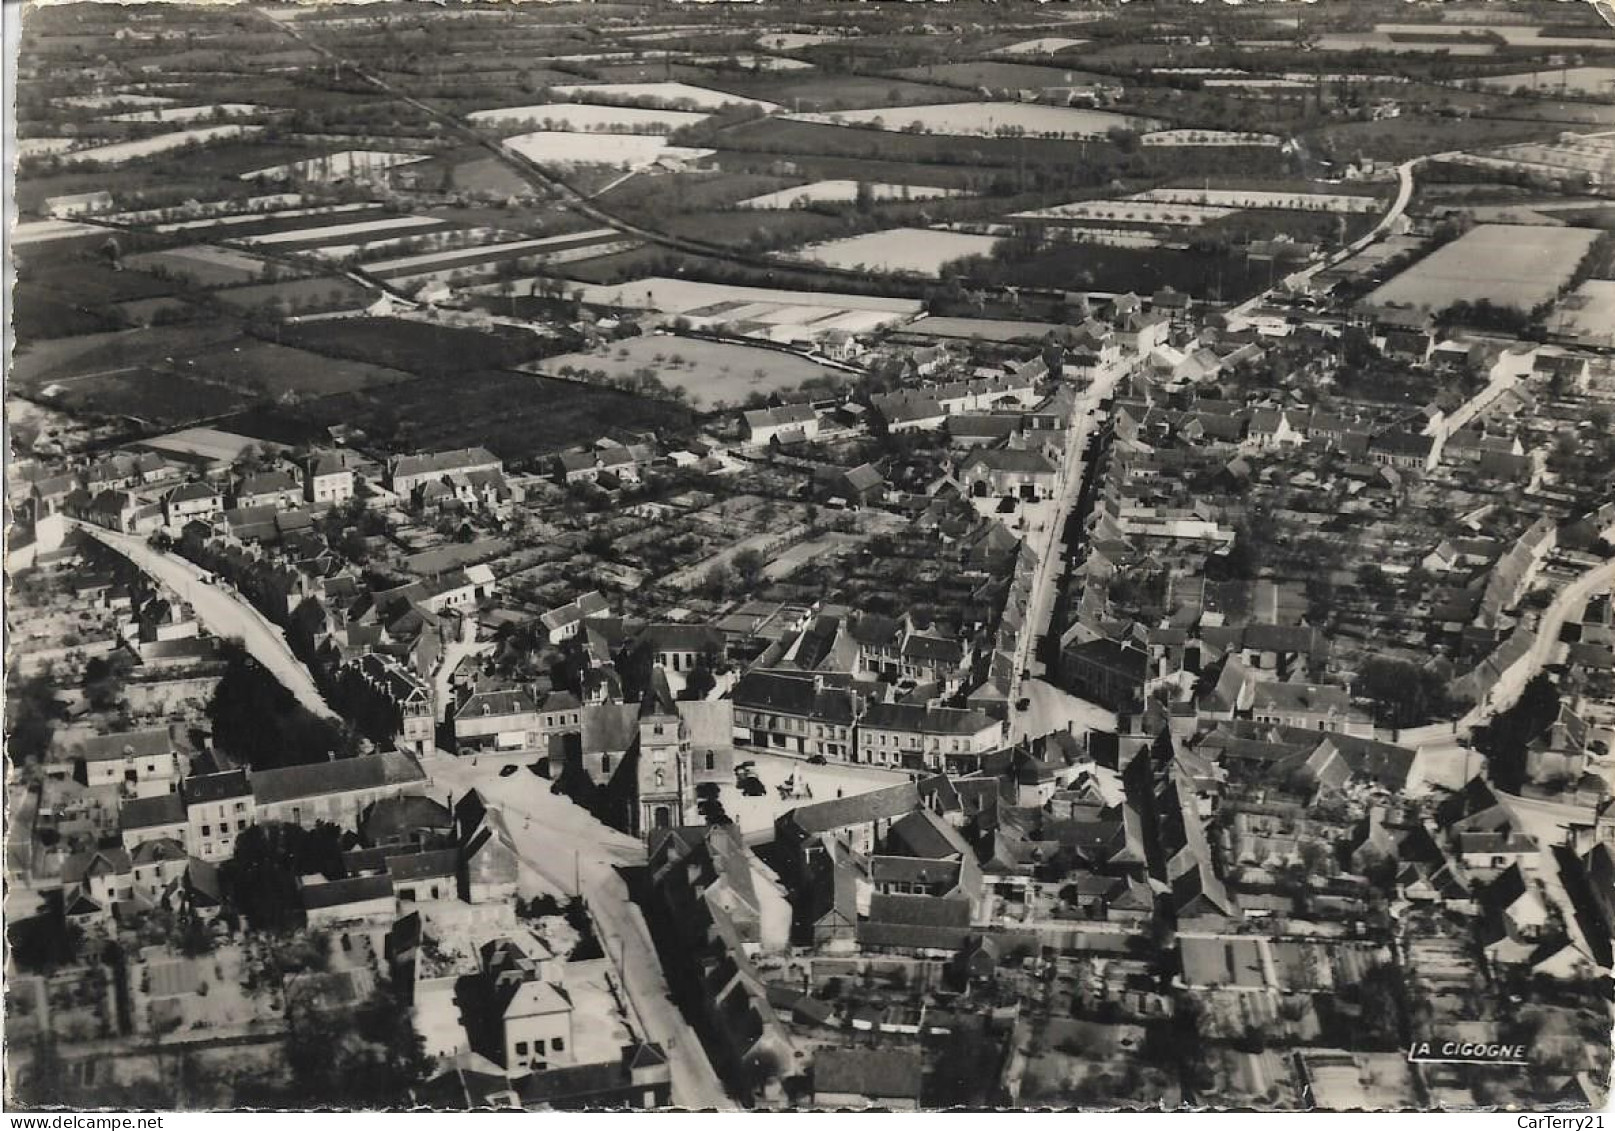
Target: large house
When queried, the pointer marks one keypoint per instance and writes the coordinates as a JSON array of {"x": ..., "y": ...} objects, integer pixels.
[
  {"x": 913, "y": 737},
  {"x": 788, "y": 424},
  {"x": 405, "y": 473},
  {"x": 1018, "y": 472}
]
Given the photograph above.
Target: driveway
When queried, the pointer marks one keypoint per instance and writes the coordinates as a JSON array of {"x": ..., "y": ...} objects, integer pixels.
[{"x": 222, "y": 612}]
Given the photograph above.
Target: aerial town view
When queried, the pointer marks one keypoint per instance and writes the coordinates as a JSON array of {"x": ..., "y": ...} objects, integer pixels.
[{"x": 808, "y": 555}]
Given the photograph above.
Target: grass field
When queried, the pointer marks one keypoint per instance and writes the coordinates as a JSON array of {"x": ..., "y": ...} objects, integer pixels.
[
  {"x": 517, "y": 416},
  {"x": 301, "y": 296},
  {"x": 40, "y": 363},
  {"x": 418, "y": 347},
  {"x": 1588, "y": 312},
  {"x": 841, "y": 192},
  {"x": 708, "y": 372},
  {"x": 916, "y": 250},
  {"x": 1000, "y": 76},
  {"x": 266, "y": 369},
  {"x": 992, "y": 119},
  {"x": 587, "y": 118},
  {"x": 674, "y": 95},
  {"x": 154, "y": 397},
  {"x": 822, "y": 93},
  {"x": 203, "y": 265},
  {"x": 121, "y": 152},
  {"x": 1506, "y": 264}
]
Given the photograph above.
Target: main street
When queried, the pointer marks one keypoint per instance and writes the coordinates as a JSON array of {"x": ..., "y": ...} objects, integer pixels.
[
  {"x": 223, "y": 612},
  {"x": 1047, "y": 542},
  {"x": 575, "y": 854}
]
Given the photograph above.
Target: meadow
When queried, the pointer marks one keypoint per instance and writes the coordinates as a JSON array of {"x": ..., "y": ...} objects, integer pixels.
[
  {"x": 1505, "y": 264},
  {"x": 708, "y": 372},
  {"x": 919, "y": 251},
  {"x": 992, "y": 119}
]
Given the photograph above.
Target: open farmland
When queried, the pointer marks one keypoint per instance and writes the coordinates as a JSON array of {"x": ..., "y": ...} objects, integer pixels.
[
  {"x": 1002, "y": 76},
  {"x": 153, "y": 397},
  {"x": 265, "y": 369},
  {"x": 1505, "y": 264},
  {"x": 918, "y": 251},
  {"x": 518, "y": 416},
  {"x": 1043, "y": 45},
  {"x": 546, "y": 246},
  {"x": 188, "y": 113},
  {"x": 333, "y": 232},
  {"x": 816, "y": 93},
  {"x": 1587, "y": 314},
  {"x": 710, "y": 373},
  {"x": 1599, "y": 81},
  {"x": 1256, "y": 198},
  {"x": 989, "y": 119},
  {"x": 202, "y": 265},
  {"x": 297, "y": 296},
  {"x": 759, "y": 312},
  {"x": 430, "y": 349},
  {"x": 1142, "y": 212},
  {"x": 334, "y": 167},
  {"x": 121, "y": 152},
  {"x": 674, "y": 95},
  {"x": 624, "y": 151},
  {"x": 587, "y": 117},
  {"x": 842, "y": 192}
]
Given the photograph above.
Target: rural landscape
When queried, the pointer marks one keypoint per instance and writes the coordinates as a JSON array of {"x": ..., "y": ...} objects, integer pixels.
[{"x": 654, "y": 555}]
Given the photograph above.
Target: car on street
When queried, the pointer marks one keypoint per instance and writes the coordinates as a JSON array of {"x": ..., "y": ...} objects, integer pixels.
[
  {"x": 753, "y": 787},
  {"x": 506, "y": 771}
]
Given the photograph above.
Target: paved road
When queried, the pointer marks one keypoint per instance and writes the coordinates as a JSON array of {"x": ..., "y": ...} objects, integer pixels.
[
  {"x": 222, "y": 612},
  {"x": 573, "y": 852},
  {"x": 1404, "y": 194},
  {"x": 1572, "y": 596},
  {"x": 1051, "y": 552}
]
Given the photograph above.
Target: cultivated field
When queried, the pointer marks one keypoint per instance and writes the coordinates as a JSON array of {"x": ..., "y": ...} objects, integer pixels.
[
  {"x": 626, "y": 151},
  {"x": 1587, "y": 313},
  {"x": 918, "y": 251},
  {"x": 188, "y": 113},
  {"x": 989, "y": 119},
  {"x": 1506, "y": 264},
  {"x": 205, "y": 266},
  {"x": 1575, "y": 80},
  {"x": 1155, "y": 213},
  {"x": 708, "y": 372},
  {"x": 333, "y": 232},
  {"x": 341, "y": 166},
  {"x": 1043, "y": 45},
  {"x": 841, "y": 192},
  {"x": 675, "y": 95},
  {"x": 124, "y": 151},
  {"x": 588, "y": 118},
  {"x": 1257, "y": 198}
]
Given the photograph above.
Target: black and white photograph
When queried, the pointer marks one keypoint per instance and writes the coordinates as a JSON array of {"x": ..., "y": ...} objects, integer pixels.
[{"x": 762, "y": 556}]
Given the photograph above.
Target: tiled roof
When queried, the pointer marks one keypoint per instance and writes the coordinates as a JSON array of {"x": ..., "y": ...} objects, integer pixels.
[
  {"x": 207, "y": 788},
  {"x": 345, "y": 775}
]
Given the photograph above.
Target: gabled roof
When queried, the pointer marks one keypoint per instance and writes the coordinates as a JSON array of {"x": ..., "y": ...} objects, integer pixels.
[
  {"x": 151, "y": 812},
  {"x": 864, "y": 808},
  {"x": 149, "y": 743},
  {"x": 204, "y": 789},
  {"x": 343, "y": 893},
  {"x": 345, "y": 775}
]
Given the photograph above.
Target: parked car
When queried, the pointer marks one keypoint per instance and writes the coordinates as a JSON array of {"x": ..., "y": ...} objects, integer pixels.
[
  {"x": 753, "y": 787},
  {"x": 816, "y": 760},
  {"x": 506, "y": 771}
]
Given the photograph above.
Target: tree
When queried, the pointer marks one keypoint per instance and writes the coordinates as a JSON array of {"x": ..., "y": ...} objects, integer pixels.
[
  {"x": 31, "y": 712},
  {"x": 262, "y": 873},
  {"x": 748, "y": 565},
  {"x": 261, "y": 722}
]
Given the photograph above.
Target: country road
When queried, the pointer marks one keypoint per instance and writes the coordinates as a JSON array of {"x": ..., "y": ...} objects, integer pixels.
[
  {"x": 222, "y": 611},
  {"x": 574, "y": 853}
]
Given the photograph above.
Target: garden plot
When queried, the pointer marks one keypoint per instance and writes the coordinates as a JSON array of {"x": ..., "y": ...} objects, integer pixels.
[
  {"x": 188, "y": 113},
  {"x": 986, "y": 119},
  {"x": 918, "y": 251},
  {"x": 203, "y": 265},
  {"x": 1044, "y": 45},
  {"x": 842, "y": 192},
  {"x": 708, "y": 372},
  {"x": 1257, "y": 198},
  {"x": 122, "y": 152},
  {"x": 1208, "y": 137},
  {"x": 1587, "y": 314},
  {"x": 1574, "y": 80},
  {"x": 1151, "y": 212},
  {"x": 673, "y": 95},
  {"x": 1505, "y": 264},
  {"x": 333, "y": 167},
  {"x": 588, "y": 118},
  {"x": 623, "y": 151},
  {"x": 336, "y": 231}
]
